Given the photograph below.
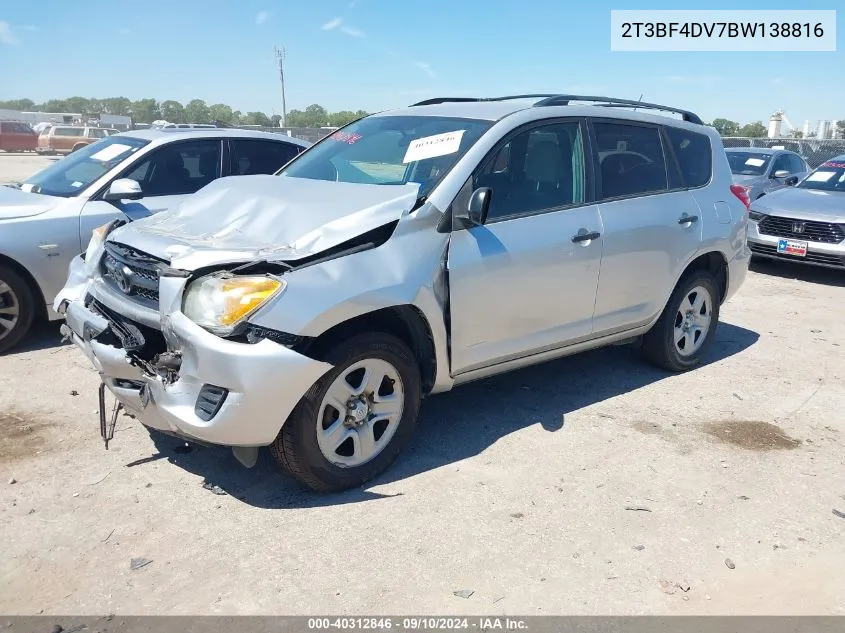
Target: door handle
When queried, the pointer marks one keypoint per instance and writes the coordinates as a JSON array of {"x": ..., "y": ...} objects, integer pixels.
[
  {"x": 688, "y": 219},
  {"x": 585, "y": 237}
]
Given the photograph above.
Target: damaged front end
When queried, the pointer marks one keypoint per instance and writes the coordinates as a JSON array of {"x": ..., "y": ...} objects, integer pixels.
[{"x": 171, "y": 311}]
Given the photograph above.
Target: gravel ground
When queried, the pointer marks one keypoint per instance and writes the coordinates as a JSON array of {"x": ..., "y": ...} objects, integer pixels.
[{"x": 590, "y": 485}]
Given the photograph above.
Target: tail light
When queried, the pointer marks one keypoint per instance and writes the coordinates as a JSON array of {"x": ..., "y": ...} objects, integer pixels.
[{"x": 743, "y": 193}]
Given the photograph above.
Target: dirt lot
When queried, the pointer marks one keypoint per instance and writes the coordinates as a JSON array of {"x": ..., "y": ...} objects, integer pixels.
[{"x": 594, "y": 484}]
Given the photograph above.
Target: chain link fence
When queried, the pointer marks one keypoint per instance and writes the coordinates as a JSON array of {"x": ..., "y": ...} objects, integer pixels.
[{"x": 814, "y": 151}]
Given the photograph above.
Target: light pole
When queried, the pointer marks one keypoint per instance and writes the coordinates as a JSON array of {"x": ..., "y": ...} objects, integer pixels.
[{"x": 280, "y": 57}]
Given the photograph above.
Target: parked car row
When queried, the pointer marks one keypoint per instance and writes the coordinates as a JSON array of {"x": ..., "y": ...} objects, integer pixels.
[
  {"x": 309, "y": 304},
  {"x": 802, "y": 216}
]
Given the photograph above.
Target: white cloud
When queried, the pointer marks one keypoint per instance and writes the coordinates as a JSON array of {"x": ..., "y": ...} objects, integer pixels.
[
  {"x": 6, "y": 35},
  {"x": 351, "y": 30},
  {"x": 426, "y": 68},
  {"x": 262, "y": 16},
  {"x": 332, "y": 24}
]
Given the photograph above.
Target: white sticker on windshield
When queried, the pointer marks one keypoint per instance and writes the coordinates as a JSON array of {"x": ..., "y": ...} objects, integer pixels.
[
  {"x": 755, "y": 162},
  {"x": 821, "y": 176},
  {"x": 110, "y": 152},
  {"x": 432, "y": 146},
  {"x": 76, "y": 184}
]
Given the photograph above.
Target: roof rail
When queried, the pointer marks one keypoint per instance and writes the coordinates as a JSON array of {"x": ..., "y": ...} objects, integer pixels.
[
  {"x": 611, "y": 102},
  {"x": 438, "y": 100}
]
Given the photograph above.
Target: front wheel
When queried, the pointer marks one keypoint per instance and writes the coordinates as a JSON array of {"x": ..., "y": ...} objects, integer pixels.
[
  {"x": 352, "y": 424},
  {"x": 17, "y": 308},
  {"x": 685, "y": 330}
]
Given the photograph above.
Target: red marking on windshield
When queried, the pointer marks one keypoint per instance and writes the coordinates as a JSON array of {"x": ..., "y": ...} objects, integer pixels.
[
  {"x": 834, "y": 165},
  {"x": 346, "y": 137}
]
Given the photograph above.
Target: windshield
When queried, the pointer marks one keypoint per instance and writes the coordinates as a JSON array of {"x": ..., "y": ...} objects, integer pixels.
[
  {"x": 748, "y": 163},
  {"x": 829, "y": 176},
  {"x": 70, "y": 175},
  {"x": 390, "y": 150}
]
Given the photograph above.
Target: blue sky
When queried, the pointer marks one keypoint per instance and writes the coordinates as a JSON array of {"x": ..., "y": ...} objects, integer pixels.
[{"x": 379, "y": 54}]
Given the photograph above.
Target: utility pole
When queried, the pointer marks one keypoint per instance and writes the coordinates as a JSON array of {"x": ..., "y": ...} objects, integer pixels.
[{"x": 280, "y": 57}]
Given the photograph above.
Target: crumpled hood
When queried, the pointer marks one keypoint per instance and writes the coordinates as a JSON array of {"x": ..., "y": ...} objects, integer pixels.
[
  {"x": 804, "y": 204},
  {"x": 242, "y": 218},
  {"x": 15, "y": 203}
]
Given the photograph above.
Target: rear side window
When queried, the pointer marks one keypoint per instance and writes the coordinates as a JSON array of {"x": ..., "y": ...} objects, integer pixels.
[
  {"x": 68, "y": 131},
  {"x": 797, "y": 164},
  {"x": 260, "y": 157},
  {"x": 96, "y": 133},
  {"x": 631, "y": 160},
  {"x": 694, "y": 155}
]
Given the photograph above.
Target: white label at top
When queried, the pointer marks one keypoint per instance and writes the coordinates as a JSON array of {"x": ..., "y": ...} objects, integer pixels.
[
  {"x": 433, "y": 146},
  {"x": 110, "y": 152},
  {"x": 821, "y": 176},
  {"x": 755, "y": 162}
]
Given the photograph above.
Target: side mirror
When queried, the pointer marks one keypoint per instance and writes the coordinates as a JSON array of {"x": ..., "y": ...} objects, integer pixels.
[
  {"x": 124, "y": 189},
  {"x": 780, "y": 173},
  {"x": 476, "y": 211},
  {"x": 791, "y": 181}
]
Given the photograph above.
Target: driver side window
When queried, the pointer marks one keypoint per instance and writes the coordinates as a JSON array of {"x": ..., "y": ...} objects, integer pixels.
[
  {"x": 781, "y": 163},
  {"x": 536, "y": 170},
  {"x": 179, "y": 168}
]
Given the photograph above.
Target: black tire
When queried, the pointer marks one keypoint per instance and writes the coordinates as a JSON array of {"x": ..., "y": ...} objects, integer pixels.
[
  {"x": 296, "y": 447},
  {"x": 659, "y": 345},
  {"x": 22, "y": 294}
]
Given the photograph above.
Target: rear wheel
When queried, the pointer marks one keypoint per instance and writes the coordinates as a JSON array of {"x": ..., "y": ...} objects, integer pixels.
[
  {"x": 352, "y": 424},
  {"x": 77, "y": 146},
  {"x": 17, "y": 308},
  {"x": 685, "y": 330}
]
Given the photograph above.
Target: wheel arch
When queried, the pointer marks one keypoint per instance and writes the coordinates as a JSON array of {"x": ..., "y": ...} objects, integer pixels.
[
  {"x": 716, "y": 264},
  {"x": 37, "y": 294},
  {"x": 406, "y": 322}
]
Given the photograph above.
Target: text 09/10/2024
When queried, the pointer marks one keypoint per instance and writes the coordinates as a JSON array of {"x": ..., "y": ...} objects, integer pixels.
[{"x": 723, "y": 30}]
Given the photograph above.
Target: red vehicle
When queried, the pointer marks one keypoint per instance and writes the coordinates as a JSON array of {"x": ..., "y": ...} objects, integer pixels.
[{"x": 17, "y": 136}]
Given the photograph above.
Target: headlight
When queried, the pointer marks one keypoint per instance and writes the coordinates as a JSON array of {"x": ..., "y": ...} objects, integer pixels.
[
  {"x": 98, "y": 236},
  {"x": 219, "y": 303},
  {"x": 756, "y": 216}
]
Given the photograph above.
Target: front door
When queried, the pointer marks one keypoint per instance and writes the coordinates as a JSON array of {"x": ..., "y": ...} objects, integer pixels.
[
  {"x": 652, "y": 224},
  {"x": 525, "y": 281}
]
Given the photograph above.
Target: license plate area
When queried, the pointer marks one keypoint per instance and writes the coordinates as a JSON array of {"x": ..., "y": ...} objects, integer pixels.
[{"x": 796, "y": 248}]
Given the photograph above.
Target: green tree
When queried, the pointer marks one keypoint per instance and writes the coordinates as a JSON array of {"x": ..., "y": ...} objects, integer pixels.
[
  {"x": 339, "y": 119},
  {"x": 54, "y": 105},
  {"x": 145, "y": 111},
  {"x": 797, "y": 134},
  {"x": 78, "y": 104},
  {"x": 753, "y": 130},
  {"x": 172, "y": 111},
  {"x": 221, "y": 112},
  {"x": 22, "y": 105},
  {"x": 725, "y": 127},
  {"x": 257, "y": 118},
  {"x": 196, "y": 111},
  {"x": 316, "y": 115},
  {"x": 276, "y": 120},
  {"x": 237, "y": 117},
  {"x": 297, "y": 118},
  {"x": 116, "y": 105}
]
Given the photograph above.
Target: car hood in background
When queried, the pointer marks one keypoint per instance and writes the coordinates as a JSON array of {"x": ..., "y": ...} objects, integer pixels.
[
  {"x": 804, "y": 204},
  {"x": 245, "y": 218},
  {"x": 15, "y": 203}
]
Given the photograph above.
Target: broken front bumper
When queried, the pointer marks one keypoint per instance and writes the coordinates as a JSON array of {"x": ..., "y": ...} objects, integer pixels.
[{"x": 224, "y": 392}]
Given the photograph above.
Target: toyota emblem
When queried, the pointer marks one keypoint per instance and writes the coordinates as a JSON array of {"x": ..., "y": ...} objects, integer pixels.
[{"x": 123, "y": 279}]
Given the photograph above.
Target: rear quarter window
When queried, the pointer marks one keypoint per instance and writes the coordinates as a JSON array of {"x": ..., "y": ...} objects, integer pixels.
[{"x": 694, "y": 154}]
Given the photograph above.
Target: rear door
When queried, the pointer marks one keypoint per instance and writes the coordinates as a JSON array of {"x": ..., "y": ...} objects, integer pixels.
[
  {"x": 652, "y": 224},
  {"x": 525, "y": 281},
  {"x": 259, "y": 156}
]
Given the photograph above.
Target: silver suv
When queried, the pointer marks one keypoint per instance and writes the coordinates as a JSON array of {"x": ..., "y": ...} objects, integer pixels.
[{"x": 407, "y": 253}]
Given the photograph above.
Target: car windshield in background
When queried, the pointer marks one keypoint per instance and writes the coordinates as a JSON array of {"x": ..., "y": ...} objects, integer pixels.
[
  {"x": 390, "y": 150},
  {"x": 829, "y": 176},
  {"x": 70, "y": 175},
  {"x": 748, "y": 163}
]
